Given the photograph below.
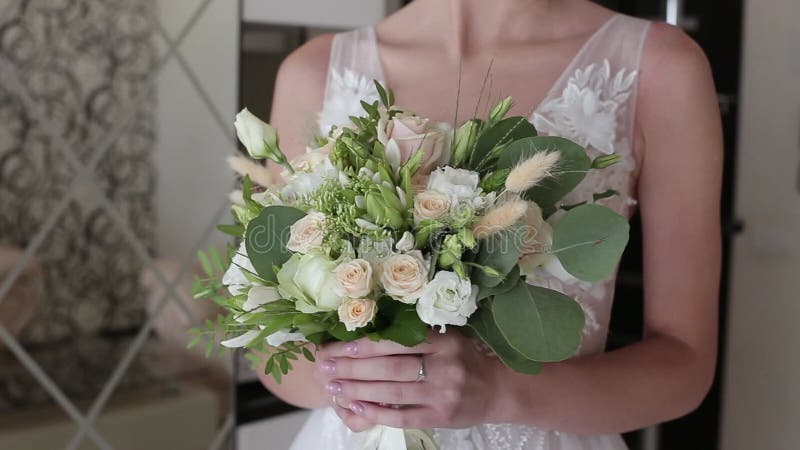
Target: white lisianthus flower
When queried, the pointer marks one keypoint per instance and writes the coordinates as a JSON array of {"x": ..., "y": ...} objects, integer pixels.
[
  {"x": 355, "y": 313},
  {"x": 306, "y": 234},
  {"x": 281, "y": 337},
  {"x": 260, "y": 295},
  {"x": 257, "y": 136},
  {"x": 460, "y": 184},
  {"x": 304, "y": 183},
  {"x": 447, "y": 300},
  {"x": 234, "y": 277},
  {"x": 310, "y": 281},
  {"x": 404, "y": 275},
  {"x": 353, "y": 278},
  {"x": 406, "y": 243},
  {"x": 431, "y": 205}
]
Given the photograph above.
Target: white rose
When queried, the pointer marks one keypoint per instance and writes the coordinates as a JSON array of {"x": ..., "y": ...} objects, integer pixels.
[
  {"x": 234, "y": 278},
  {"x": 309, "y": 280},
  {"x": 355, "y": 313},
  {"x": 447, "y": 300},
  {"x": 310, "y": 159},
  {"x": 430, "y": 205},
  {"x": 306, "y": 234},
  {"x": 353, "y": 278},
  {"x": 404, "y": 275},
  {"x": 257, "y": 136},
  {"x": 459, "y": 184}
]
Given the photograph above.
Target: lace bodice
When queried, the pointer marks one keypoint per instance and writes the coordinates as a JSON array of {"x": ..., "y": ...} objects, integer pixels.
[{"x": 592, "y": 103}]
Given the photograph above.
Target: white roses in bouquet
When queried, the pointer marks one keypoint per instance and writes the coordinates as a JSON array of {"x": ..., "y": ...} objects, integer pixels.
[{"x": 447, "y": 300}]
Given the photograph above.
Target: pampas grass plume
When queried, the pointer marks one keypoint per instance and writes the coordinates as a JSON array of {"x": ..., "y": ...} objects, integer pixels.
[
  {"x": 257, "y": 173},
  {"x": 500, "y": 218},
  {"x": 531, "y": 171}
]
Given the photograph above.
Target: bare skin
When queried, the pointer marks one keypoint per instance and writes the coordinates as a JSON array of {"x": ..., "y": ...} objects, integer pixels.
[{"x": 678, "y": 148}]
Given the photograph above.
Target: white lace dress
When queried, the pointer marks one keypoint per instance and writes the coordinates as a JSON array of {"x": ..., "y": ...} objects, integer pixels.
[{"x": 593, "y": 104}]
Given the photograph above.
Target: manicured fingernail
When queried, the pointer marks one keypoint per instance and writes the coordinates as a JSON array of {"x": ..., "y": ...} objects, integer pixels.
[
  {"x": 351, "y": 348},
  {"x": 328, "y": 366},
  {"x": 334, "y": 388},
  {"x": 356, "y": 407}
]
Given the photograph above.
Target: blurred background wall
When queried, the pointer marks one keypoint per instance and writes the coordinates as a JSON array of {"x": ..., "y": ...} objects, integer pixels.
[
  {"x": 115, "y": 118},
  {"x": 762, "y": 367}
]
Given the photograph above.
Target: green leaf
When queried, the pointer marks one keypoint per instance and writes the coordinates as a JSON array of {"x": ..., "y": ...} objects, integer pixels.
[
  {"x": 499, "y": 251},
  {"x": 405, "y": 326},
  {"x": 201, "y": 255},
  {"x": 605, "y": 194},
  {"x": 570, "y": 171},
  {"x": 309, "y": 356},
  {"x": 507, "y": 130},
  {"x": 231, "y": 230},
  {"x": 266, "y": 239},
  {"x": 482, "y": 325},
  {"x": 542, "y": 324},
  {"x": 589, "y": 241},
  {"x": 340, "y": 333},
  {"x": 509, "y": 282},
  {"x": 382, "y": 93}
]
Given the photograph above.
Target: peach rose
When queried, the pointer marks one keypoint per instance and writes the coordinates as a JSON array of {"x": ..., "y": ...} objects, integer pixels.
[
  {"x": 355, "y": 313},
  {"x": 406, "y": 133},
  {"x": 404, "y": 275},
  {"x": 353, "y": 278},
  {"x": 430, "y": 205},
  {"x": 306, "y": 234}
]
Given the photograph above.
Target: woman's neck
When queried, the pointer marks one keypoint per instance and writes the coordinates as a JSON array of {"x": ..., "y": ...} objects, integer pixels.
[{"x": 468, "y": 26}]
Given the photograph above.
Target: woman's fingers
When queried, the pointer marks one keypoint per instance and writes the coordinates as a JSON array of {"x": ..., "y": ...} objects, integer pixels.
[
  {"x": 366, "y": 348},
  {"x": 381, "y": 392},
  {"x": 405, "y": 417},
  {"x": 353, "y": 421},
  {"x": 380, "y": 368}
]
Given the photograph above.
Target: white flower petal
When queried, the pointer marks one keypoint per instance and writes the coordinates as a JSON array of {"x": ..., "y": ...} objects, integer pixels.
[{"x": 241, "y": 340}]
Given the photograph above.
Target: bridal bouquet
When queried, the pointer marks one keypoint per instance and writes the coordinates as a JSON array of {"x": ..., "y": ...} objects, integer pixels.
[{"x": 395, "y": 226}]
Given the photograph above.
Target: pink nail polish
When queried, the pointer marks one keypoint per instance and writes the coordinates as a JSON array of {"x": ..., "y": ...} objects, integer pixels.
[
  {"x": 356, "y": 407},
  {"x": 328, "y": 366},
  {"x": 351, "y": 348},
  {"x": 334, "y": 388}
]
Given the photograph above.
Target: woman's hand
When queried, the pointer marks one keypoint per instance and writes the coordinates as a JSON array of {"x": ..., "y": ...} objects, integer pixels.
[{"x": 378, "y": 382}]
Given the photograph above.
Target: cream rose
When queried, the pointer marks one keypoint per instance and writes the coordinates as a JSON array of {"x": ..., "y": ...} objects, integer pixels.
[
  {"x": 460, "y": 184},
  {"x": 404, "y": 134},
  {"x": 357, "y": 312},
  {"x": 430, "y": 205},
  {"x": 447, "y": 300},
  {"x": 306, "y": 234},
  {"x": 404, "y": 275},
  {"x": 353, "y": 278}
]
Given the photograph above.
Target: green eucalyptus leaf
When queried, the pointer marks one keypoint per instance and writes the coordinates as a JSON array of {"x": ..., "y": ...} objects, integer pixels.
[
  {"x": 505, "y": 131},
  {"x": 266, "y": 237},
  {"x": 500, "y": 251},
  {"x": 589, "y": 241},
  {"x": 542, "y": 324},
  {"x": 482, "y": 326},
  {"x": 509, "y": 282},
  {"x": 569, "y": 172}
]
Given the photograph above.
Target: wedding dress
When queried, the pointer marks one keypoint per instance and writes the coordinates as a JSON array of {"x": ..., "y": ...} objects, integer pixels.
[{"x": 593, "y": 104}]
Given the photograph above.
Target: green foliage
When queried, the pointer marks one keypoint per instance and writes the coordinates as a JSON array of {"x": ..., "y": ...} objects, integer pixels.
[
  {"x": 492, "y": 141},
  {"x": 589, "y": 241},
  {"x": 500, "y": 251},
  {"x": 266, "y": 238},
  {"x": 570, "y": 171},
  {"x": 542, "y": 324},
  {"x": 404, "y": 325},
  {"x": 483, "y": 326}
]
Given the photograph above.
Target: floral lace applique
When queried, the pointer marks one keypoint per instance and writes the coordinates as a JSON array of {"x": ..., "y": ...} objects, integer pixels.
[
  {"x": 346, "y": 90},
  {"x": 587, "y": 110}
]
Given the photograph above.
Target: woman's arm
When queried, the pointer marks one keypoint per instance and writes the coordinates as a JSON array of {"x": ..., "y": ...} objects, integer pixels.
[
  {"x": 299, "y": 91},
  {"x": 664, "y": 376}
]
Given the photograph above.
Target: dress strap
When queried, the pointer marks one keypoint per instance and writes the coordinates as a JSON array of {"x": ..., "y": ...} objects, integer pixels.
[{"x": 353, "y": 65}]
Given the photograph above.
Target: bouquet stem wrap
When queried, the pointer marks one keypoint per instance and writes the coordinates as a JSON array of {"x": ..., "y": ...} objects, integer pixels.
[{"x": 381, "y": 437}]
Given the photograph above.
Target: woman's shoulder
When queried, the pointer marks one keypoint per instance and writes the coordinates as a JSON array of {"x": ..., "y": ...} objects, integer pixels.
[
  {"x": 670, "y": 55},
  {"x": 307, "y": 65}
]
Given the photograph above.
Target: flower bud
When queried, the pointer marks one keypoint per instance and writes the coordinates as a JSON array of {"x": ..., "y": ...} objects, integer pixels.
[
  {"x": 601, "y": 162},
  {"x": 500, "y": 110},
  {"x": 258, "y": 137},
  {"x": 465, "y": 137}
]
